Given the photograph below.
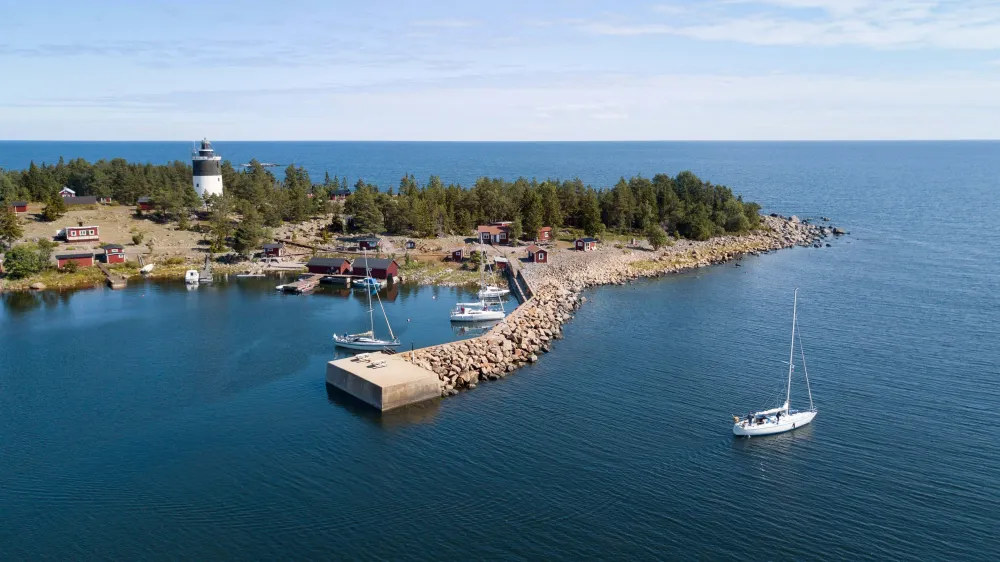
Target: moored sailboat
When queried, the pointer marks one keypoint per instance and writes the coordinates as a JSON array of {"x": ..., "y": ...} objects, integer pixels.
[
  {"x": 367, "y": 341},
  {"x": 783, "y": 418}
]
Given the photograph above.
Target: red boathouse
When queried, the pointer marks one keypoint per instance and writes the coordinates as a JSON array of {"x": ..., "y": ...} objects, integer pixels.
[
  {"x": 329, "y": 266},
  {"x": 381, "y": 268},
  {"x": 81, "y": 259}
]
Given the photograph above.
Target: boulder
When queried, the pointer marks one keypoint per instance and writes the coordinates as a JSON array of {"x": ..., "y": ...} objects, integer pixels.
[{"x": 37, "y": 286}]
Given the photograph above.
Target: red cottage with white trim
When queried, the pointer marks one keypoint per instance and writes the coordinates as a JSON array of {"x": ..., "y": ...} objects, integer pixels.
[
  {"x": 113, "y": 253},
  {"x": 82, "y": 234},
  {"x": 538, "y": 255}
]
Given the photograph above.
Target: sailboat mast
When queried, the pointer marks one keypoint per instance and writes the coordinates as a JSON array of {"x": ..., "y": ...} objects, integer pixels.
[
  {"x": 791, "y": 352},
  {"x": 371, "y": 309}
]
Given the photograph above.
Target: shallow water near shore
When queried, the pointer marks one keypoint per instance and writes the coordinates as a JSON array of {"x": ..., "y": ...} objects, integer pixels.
[{"x": 156, "y": 422}]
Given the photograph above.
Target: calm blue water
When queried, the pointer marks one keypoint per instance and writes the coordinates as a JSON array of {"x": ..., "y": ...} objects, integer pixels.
[{"x": 155, "y": 423}]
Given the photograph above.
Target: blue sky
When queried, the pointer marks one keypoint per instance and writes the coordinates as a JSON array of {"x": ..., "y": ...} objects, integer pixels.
[{"x": 513, "y": 70}]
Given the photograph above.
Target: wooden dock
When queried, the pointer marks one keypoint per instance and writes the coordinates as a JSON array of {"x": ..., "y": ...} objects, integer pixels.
[
  {"x": 114, "y": 281},
  {"x": 303, "y": 284}
]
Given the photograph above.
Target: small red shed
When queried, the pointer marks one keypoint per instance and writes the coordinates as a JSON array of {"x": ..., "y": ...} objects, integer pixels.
[
  {"x": 544, "y": 234},
  {"x": 329, "y": 266},
  {"x": 81, "y": 259},
  {"x": 20, "y": 207},
  {"x": 538, "y": 255},
  {"x": 370, "y": 243},
  {"x": 500, "y": 263},
  {"x": 274, "y": 250},
  {"x": 113, "y": 253},
  {"x": 381, "y": 268},
  {"x": 586, "y": 244},
  {"x": 82, "y": 234},
  {"x": 458, "y": 255},
  {"x": 145, "y": 203}
]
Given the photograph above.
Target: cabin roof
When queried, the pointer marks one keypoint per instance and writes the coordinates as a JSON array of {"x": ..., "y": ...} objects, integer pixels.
[
  {"x": 145, "y": 200},
  {"x": 113, "y": 246},
  {"x": 587, "y": 239},
  {"x": 19, "y": 203},
  {"x": 327, "y": 262},
  {"x": 535, "y": 248},
  {"x": 273, "y": 246},
  {"x": 75, "y": 255},
  {"x": 373, "y": 263},
  {"x": 84, "y": 226},
  {"x": 492, "y": 229},
  {"x": 84, "y": 200}
]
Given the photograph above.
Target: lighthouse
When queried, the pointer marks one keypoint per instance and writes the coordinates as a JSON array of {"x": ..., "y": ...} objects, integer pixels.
[{"x": 207, "y": 170}]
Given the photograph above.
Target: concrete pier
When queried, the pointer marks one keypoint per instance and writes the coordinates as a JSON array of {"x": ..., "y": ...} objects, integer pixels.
[{"x": 383, "y": 381}]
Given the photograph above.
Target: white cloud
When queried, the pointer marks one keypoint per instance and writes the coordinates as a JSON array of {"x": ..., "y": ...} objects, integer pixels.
[
  {"x": 949, "y": 24},
  {"x": 596, "y": 107}
]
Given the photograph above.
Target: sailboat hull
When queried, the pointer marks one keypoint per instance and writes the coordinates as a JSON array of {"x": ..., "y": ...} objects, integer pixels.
[
  {"x": 770, "y": 427},
  {"x": 363, "y": 343}
]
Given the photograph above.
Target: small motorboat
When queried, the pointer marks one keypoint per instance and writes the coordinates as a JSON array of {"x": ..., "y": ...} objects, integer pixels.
[
  {"x": 147, "y": 269},
  {"x": 492, "y": 291},
  {"x": 477, "y": 312},
  {"x": 191, "y": 277},
  {"x": 367, "y": 283}
]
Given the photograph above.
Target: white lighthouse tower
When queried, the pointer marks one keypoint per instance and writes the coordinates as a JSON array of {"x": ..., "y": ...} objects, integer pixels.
[{"x": 207, "y": 170}]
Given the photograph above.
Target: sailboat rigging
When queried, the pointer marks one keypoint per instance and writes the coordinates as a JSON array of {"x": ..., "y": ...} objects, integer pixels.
[
  {"x": 782, "y": 418},
  {"x": 367, "y": 341},
  {"x": 488, "y": 308}
]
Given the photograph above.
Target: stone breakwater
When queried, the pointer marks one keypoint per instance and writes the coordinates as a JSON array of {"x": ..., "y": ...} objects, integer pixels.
[
  {"x": 532, "y": 328},
  {"x": 512, "y": 343}
]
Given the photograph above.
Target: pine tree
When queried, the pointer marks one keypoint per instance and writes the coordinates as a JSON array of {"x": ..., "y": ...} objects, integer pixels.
[
  {"x": 54, "y": 209},
  {"x": 10, "y": 226},
  {"x": 249, "y": 232},
  {"x": 533, "y": 213},
  {"x": 592, "y": 225}
]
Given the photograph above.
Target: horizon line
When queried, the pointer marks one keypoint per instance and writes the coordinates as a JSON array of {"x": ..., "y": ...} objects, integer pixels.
[{"x": 524, "y": 141}]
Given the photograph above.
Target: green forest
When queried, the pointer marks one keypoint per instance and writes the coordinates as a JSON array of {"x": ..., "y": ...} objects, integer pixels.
[{"x": 681, "y": 206}]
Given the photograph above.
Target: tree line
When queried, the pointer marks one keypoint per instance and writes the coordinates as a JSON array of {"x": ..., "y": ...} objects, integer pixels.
[{"x": 681, "y": 206}]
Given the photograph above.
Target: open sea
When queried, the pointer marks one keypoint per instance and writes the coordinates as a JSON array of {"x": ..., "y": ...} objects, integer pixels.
[{"x": 161, "y": 423}]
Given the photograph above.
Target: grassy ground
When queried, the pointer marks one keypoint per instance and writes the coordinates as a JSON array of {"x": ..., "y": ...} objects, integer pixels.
[{"x": 437, "y": 273}]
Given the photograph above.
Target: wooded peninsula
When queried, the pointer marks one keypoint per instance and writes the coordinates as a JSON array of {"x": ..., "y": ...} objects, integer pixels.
[{"x": 683, "y": 206}]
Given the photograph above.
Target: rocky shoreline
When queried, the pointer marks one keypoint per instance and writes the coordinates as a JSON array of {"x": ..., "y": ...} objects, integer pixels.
[{"x": 557, "y": 288}]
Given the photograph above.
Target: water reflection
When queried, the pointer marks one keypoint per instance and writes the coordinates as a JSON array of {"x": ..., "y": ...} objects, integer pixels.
[
  {"x": 474, "y": 329},
  {"x": 20, "y": 302},
  {"x": 424, "y": 412}
]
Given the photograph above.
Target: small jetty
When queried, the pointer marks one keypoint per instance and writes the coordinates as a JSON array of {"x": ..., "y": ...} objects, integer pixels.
[
  {"x": 114, "y": 281},
  {"x": 205, "y": 275},
  {"x": 303, "y": 284}
]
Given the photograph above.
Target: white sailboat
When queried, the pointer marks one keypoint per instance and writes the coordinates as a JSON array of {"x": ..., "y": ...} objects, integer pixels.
[
  {"x": 367, "y": 341},
  {"x": 782, "y": 418},
  {"x": 487, "y": 308}
]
